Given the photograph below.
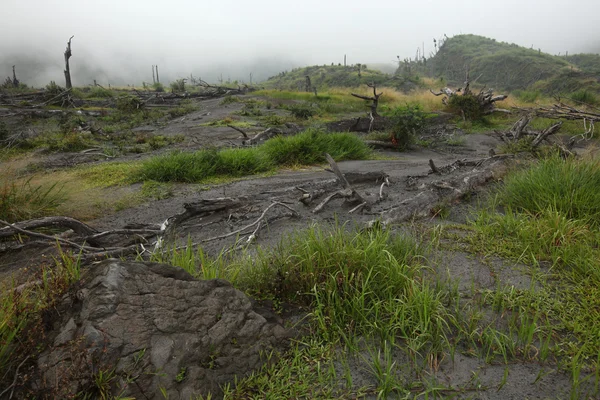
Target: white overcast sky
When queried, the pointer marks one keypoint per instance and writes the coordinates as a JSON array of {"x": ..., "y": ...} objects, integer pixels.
[{"x": 183, "y": 36}]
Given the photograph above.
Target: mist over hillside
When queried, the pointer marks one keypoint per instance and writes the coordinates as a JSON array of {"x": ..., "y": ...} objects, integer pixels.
[{"x": 40, "y": 68}]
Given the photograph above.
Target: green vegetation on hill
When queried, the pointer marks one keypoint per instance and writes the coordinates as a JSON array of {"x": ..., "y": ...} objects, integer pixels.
[
  {"x": 329, "y": 76},
  {"x": 323, "y": 76},
  {"x": 589, "y": 63},
  {"x": 511, "y": 67}
]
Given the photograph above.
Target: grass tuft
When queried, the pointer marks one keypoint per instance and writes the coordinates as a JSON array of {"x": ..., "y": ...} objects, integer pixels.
[
  {"x": 303, "y": 149},
  {"x": 569, "y": 187},
  {"x": 23, "y": 200}
]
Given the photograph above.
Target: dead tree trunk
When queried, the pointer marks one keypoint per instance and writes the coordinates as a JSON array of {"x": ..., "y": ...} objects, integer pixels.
[
  {"x": 15, "y": 81},
  {"x": 374, "y": 99},
  {"x": 67, "y": 69},
  {"x": 153, "y": 76},
  {"x": 157, "y": 78}
]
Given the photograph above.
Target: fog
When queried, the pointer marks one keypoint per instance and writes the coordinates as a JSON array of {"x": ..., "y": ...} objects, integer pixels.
[{"x": 117, "y": 41}]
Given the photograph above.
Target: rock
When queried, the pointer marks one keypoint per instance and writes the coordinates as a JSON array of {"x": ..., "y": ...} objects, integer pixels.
[{"x": 146, "y": 329}]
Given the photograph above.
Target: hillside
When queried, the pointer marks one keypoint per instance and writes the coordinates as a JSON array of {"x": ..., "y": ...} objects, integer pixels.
[
  {"x": 511, "y": 67},
  {"x": 326, "y": 76}
]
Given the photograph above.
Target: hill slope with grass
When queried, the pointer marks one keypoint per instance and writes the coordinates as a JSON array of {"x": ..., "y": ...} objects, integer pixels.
[
  {"x": 511, "y": 67},
  {"x": 328, "y": 76}
]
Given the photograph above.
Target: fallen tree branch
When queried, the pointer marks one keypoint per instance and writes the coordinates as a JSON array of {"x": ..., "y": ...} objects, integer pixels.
[
  {"x": 239, "y": 130},
  {"x": 276, "y": 203}
]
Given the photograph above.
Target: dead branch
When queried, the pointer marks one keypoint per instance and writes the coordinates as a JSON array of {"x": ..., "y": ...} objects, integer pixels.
[
  {"x": 239, "y": 130},
  {"x": 264, "y": 135},
  {"x": 262, "y": 216},
  {"x": 385, "y": 183},
  {"x": 545, "y": 133},
  {"x": 48, "y": 222}
]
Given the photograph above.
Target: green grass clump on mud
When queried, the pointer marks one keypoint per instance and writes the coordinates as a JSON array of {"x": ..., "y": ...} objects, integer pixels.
[
  {"x": 546, "y": 217},
  {"x": 21, "y": 200},
  {"x": 303, "y": 149},
  {"x": 569, "y": 187}
]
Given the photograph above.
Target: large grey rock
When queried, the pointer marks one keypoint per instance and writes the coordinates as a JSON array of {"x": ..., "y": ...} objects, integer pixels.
[{"x": 159, "y": 329}]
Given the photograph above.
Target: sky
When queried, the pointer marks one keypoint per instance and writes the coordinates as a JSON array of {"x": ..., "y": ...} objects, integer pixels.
[{"x": 119, "y": 40}]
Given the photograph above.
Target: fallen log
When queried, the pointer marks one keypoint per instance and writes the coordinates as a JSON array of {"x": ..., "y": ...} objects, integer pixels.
[{"x": 442, "y": 190}]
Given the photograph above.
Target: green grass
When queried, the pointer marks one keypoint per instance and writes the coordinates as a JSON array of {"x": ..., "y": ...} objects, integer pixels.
[
  {"x": 22, "y": 200},
  {"x": 585, "y": 96},
  {"x": 303, "y": 149},
  {"x": 109, "y": 174},
  {"x": 356, "y": 284},
  {"x": 568, "y": 187},
  {"x": 21, "y": 324}
]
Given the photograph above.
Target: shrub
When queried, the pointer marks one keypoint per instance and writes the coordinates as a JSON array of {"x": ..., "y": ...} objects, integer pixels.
[
  {"x": 100, "y": 92},
  {"x": 466, "y": 106},
  {"x": 127, "y": 103},
  {"x": 528, "y": 96},
  {"x": 302, "y": 110},
  {"x": 585, "y": 96},
  {"x": 406, "y": 122},
  {"x": 158, "y": 87},
  {"x": 178, "y": 86}
]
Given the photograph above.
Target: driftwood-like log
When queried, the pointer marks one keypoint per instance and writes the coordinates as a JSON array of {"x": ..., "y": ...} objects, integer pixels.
[
  {"x": 442, "y": 190},
  {"x": 48, "y": 222},
  {"x": 545, "y": 133}
]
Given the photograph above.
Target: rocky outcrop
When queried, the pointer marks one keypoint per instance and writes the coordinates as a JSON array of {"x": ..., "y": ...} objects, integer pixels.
[{"x": 147, "y": 330}]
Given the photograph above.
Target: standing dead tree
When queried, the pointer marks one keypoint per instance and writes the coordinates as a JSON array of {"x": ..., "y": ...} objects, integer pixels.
[
  {"x": 67, "y": 69},
  {"x": 375, "y": 103},
  {"x": 15, "y": 81},
  {"x": 374, "y": 99}
]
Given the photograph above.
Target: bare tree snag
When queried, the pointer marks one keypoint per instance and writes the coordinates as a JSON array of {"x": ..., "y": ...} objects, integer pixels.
[
  {"x": 153, "y": 76},
  {"x": 433, "y": 167},
  {"x": 67, "y": 69},
  {"x": 374, "y": 99},
  {"x": 15, "y": 81},
  {"x": 157, "y": 78}
]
